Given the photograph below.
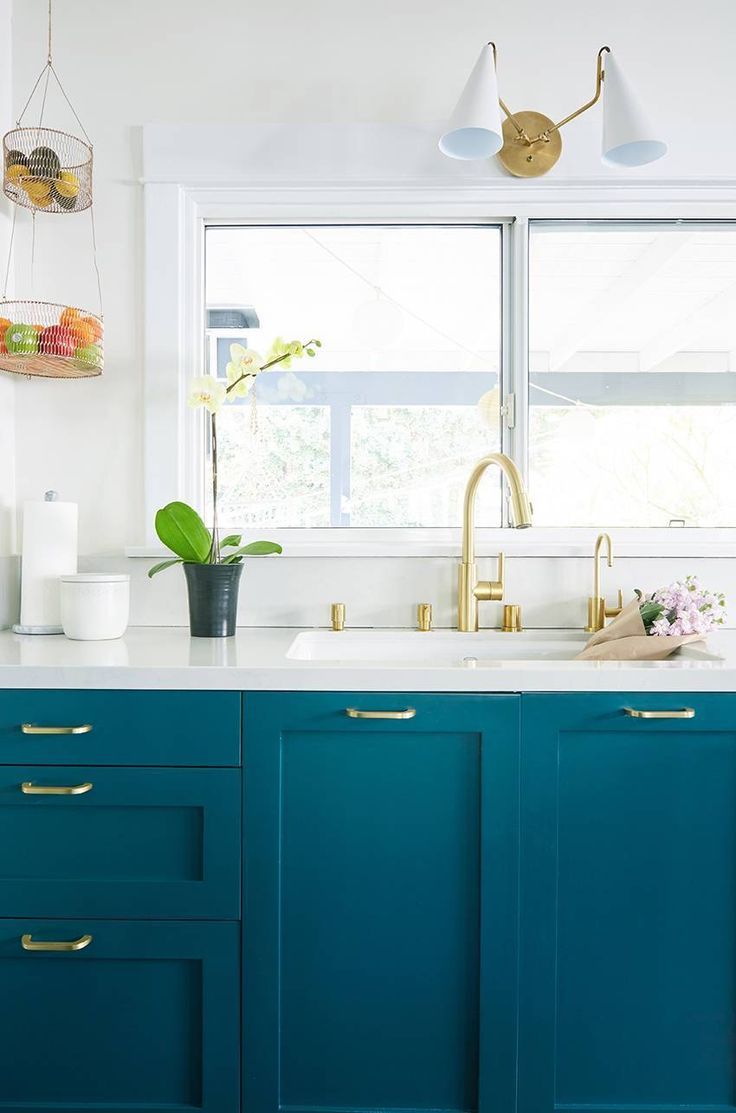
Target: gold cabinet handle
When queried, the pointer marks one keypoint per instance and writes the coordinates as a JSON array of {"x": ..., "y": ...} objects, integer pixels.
[
  {"x": 34, "y": 728},
  {"x": 29, "y": 789},
  {"x": 27, "y": 943},
  {"x": 680, "y": 713},
  {"x": 354, "y": 713}
]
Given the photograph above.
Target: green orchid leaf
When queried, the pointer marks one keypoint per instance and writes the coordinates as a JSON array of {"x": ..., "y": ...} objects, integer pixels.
[
  {"x": 182, "y": 530},
  {"x": 164, "y": 564},
  {"x": 231, "y": 541},
  {"x": 256, "y": 548}
]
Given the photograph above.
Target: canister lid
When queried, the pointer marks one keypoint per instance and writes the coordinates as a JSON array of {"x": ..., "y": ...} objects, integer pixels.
[{"x": 95, "y": 578}]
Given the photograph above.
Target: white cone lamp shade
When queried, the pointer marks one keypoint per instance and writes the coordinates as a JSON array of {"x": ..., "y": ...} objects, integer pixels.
[
  {"x": 628, "y": 137},
  {"x": 474, "y": 130}
]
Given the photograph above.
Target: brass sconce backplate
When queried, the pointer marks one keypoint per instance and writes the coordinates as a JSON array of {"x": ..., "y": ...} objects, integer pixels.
[{"x": 532, "y": 153}]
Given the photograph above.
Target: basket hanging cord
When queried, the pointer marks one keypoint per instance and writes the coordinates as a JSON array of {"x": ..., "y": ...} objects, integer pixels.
[
  {"x": 10, "y": 254},
  {"x": 47, "y": 70},
  {"x": 94, "y": 256},
  {"x": 33, "y": 252}
]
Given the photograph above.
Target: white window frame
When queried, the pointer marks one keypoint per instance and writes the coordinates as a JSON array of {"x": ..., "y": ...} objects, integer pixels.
[{"x": 176, "y": 214}]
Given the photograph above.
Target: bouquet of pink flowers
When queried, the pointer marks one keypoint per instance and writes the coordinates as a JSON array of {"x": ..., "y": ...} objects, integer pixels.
[{"x": 685, "y": 607}]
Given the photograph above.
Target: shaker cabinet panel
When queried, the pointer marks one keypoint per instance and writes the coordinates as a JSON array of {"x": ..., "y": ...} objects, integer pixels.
[
  {"x": 628, "y": 904},
  {"x": 133, "y": 843},
  {"x": 143, "y": 1018},
  {"x": 380, "y": 902}
]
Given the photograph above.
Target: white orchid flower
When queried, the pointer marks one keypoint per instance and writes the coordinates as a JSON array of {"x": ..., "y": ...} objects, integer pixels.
[
  {"x": 208, "y": 392},
  {"x": 242, "y": 369}
]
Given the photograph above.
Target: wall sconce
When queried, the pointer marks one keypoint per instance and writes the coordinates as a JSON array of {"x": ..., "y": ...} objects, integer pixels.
[{"x": 528, "y": 144}]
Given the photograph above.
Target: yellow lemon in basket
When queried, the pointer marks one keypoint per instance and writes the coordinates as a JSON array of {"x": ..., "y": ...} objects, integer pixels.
[
  {"x": 66, "y": 191},
  {"x": 17, "y": 171},
  {"x": 38, "y": 191}
]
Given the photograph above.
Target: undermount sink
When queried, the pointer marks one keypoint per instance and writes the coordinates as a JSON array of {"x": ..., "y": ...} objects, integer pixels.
[{"x": 438, "y": 647}]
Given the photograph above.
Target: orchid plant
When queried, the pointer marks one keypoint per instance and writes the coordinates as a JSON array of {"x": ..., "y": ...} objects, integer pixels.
[{"x": 178, "y": 525}]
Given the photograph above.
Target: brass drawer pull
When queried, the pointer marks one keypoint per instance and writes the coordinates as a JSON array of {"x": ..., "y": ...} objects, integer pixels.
[
  {"x": 354, "y": 713},
  {"x": 34, "y": 728},
  {"x": 29, "y": 789},
  {"x": 681, "y": 713},
  {"x": 26, "y": 942}
]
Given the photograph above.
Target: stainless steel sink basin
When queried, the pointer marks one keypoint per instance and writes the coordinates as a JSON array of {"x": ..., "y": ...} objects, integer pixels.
[{"x": 439, "y": 647}]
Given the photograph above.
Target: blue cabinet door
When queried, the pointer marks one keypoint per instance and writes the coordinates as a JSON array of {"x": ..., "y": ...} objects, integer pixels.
[
  {"x": 142, "y": 1018},
  {"x": 627, "y": 996},
  {"x": 380, "y": 903}
]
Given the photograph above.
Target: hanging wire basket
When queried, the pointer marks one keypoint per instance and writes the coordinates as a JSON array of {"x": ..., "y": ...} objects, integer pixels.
[
  {"x": 49, "y": 340},
  {"x": 47, "y": 170}
]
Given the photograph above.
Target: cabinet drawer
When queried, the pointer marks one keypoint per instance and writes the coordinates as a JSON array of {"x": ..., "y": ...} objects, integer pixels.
[
  {"x": 119, "y": 728},
  {"x": 143, "y": 1017},
  {"x": 119, "y": 842},
  {"x": 626, "y": 712}
]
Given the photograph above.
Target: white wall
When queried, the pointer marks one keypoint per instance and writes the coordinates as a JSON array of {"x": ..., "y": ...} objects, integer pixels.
[
  {"x": 126, "y": 64},
  {"x": 8, "y": 562}
]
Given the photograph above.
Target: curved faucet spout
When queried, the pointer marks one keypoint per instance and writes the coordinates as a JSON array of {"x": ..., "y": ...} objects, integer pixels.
[
  {"x": 521, "y": 511},
  {"x": 469, "y": 590}
]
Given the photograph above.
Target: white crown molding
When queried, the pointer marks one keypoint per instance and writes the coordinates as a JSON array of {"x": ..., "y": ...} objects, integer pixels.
[{"x": 378, "y": 159}]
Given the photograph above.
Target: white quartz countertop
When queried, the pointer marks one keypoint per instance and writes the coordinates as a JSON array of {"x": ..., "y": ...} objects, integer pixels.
[{"x": 256, "y": 659}]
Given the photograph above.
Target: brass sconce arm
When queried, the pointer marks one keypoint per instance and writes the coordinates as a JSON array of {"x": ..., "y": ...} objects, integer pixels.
[
  {"x": 543, "y": 136},
  {"x": 588, "y": 104},
  {"x": 507, "y": 111}
]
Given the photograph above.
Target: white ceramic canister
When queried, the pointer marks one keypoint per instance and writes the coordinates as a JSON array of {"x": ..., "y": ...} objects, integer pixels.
[{"x": 95, "y": 605}]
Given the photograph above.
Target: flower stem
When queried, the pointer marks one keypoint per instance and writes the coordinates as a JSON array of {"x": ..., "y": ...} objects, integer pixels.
[{"x": 214, "y": 557}]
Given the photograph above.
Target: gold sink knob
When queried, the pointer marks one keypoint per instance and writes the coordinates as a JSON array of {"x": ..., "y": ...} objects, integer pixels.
[
  {"x": 424, "y": 617},
  {"x": 512, "y": 619},
  {"x": 337, "y": 616}
]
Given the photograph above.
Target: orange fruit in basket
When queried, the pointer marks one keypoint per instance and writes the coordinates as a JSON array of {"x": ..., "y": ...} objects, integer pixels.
[
  {"x": 95, "y": 325},
  {"x": 70, "y": 317},
  {"x": 84, "y": 333},
  {"x": 4, "y": 326}
]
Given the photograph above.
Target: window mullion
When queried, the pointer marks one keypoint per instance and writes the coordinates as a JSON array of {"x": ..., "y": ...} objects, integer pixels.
[{"x": 515, "y": 343}]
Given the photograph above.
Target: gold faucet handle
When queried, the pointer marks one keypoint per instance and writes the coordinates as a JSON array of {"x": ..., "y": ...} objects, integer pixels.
[
  {"x": 614, "y": 612},
  {"x": 424, "y": 617},
  {"x": 337, "y": 616},
  {"x": 491, "y": 591}
]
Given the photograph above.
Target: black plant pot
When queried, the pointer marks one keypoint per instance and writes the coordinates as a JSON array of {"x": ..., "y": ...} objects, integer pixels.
[{"x": 213, "y": 599}]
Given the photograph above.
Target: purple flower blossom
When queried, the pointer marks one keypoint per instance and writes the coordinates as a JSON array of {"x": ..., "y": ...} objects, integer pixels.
[{"x": 684, "y": 607}]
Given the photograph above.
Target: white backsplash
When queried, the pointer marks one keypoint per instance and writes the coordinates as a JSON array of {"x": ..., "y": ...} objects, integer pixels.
[{"x": 384, "y": 591}]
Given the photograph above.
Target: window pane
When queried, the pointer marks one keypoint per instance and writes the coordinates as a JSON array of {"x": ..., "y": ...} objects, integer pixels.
[
  {"x": 632, "y": 392},
  {"x": 276, "y": 466},
  {"x": 411, "y": 464},
  {"x": 382, "y": 427}
]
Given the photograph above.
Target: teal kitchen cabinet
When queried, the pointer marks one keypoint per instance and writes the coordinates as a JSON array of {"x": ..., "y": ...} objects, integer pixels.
[
  {"x": 143, "y": 1017},
  {"x": 380, "y": 902},
  {"x": 627, "y": 995},
  {"x": 120, "y": 901}
]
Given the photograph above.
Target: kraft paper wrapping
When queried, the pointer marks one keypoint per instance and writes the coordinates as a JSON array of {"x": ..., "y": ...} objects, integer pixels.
[{"x": 625, "y": 639}]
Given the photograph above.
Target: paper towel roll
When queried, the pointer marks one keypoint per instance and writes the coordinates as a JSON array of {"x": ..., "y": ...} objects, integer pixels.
[{"x": 49, "y": 550}]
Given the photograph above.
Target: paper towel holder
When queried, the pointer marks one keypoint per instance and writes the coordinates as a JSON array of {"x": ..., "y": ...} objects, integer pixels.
[{"x": 55, "y": 628}]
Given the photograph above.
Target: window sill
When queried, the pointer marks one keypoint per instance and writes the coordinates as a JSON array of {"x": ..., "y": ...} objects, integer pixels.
[{"x": 444, "y": 543}]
